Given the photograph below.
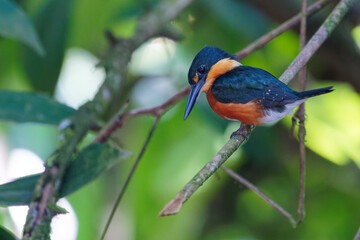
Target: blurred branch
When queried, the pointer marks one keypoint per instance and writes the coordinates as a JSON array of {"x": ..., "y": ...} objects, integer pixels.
[
  {"x": 234, "y": 143},
  {"x": 127, "y": 181},
  {"x": 357, "y": 236},
  {"x": 262, "y": 41},
  {"x": 151, "y": 24},
  {"x": 157, "y": 111},
  {"x": 249, "y": 185}
]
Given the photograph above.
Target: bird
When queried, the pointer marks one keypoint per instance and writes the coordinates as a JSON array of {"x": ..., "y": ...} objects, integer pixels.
[{"x": 236, "y": 92}]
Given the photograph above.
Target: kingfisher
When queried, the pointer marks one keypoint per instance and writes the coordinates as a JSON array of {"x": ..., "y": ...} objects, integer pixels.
[{"x": 241, "y": 93}]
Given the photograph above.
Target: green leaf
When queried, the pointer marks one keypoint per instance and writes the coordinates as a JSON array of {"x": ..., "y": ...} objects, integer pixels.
[
  {"x": 52, "y": 22},
  {"x": 19, "y": 191},
  {"x": 31, "y": 107},
  {"x": 89, "y": 164},
  {"x": 14, "y": 23},
  {"x": 6, "y": 234}
]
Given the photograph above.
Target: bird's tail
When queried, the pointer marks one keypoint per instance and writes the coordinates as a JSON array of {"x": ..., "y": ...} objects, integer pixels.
[{"x": 315, "y": 92}]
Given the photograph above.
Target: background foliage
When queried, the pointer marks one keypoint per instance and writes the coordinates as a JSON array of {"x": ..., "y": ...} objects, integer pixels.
[{"x": 52, "y": 47}]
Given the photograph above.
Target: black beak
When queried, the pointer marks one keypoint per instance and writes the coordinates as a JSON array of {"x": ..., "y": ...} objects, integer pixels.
[{"x": 194, "y": 95}]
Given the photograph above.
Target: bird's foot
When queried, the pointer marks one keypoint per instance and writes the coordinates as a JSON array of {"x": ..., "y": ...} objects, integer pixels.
[{"x": 240, "y": 131}]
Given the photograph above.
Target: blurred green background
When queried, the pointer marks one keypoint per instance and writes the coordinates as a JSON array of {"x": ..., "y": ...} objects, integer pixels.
[{"x": 72, "y": 34}]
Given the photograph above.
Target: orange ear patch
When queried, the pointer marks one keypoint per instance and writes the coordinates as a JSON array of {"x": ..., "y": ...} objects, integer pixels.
[
  {"x": 221, "y": 67},
  {"x": 196, "y": 78},
  {"x": 249, "y": 113}
]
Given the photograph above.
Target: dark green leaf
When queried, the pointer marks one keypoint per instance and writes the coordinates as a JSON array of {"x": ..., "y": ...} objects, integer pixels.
[
  {"x": 52, "y": 22},
  {"x": 31, "y": 107},
  {"x": 18, "y": 192},
  {"x": 90, "y": 163},
  {"x": 6, "y": 234},
  {"x": 14, "y": 23}
]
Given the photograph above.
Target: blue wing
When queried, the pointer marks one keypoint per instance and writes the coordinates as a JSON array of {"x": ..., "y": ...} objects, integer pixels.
[{"x": 244, "y": 84}]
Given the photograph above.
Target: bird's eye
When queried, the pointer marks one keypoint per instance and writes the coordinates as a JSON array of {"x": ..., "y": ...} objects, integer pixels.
[{"x": 202, "y": 69}]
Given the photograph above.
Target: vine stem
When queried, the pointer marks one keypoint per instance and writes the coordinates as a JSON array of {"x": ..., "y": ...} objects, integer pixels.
[
  {"x": 301, "y": 114},
  {"x": 127, "y": 181}
]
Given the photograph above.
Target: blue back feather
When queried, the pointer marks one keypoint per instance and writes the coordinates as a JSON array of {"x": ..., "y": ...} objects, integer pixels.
[{"x": 244, "y": 83}]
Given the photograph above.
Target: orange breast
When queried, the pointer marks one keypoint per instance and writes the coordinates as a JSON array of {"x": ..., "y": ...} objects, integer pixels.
[{"x": 249, "y": 113}]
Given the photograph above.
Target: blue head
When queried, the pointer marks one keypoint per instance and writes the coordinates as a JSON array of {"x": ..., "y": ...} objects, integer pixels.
[
  {"x": 204, "y": 60},
  {"x": 199, "y": 69}
]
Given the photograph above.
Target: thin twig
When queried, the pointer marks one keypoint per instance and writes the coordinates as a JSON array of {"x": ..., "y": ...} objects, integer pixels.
[
  {"x": 234, "y": 143},
  {"x": 104, "y": 135},
  {"x": 357, "y": 236},
  {"x": 301, "y": 114},
  {"x": 161, "y": 109},
  {"x": 114, "y": 124},
  {"x": 127, "y": 181},
  {"x": 251, "y": 186},
  {"x": 263, "y": 40},
  {"x": 157, "y": 111}
]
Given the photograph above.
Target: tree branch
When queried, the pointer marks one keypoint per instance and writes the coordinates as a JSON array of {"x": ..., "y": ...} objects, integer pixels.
[
  {"x": 225, "y": 152},
  {"x": 234, "y": 143},
  {"x": 152, "y": 24},
  {"x": 317, "y": 39},
  {"x": 262, "y": 41},
  {"x": 104, "y": 135},
  {"x": 251, "y": 186},
  {"x": 157, "y": 111},
  {"x": 298, "y": 115},
  {"x": 301, "y": 116}
]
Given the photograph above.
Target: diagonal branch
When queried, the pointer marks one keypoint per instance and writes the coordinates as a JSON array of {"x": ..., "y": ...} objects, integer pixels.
[
  {"x": 317, "y": 39},
  {"x": 225, "y": 152},
  {"x": 251, "y": 186},
  {"x": 157, "y": 111},
  {"x": 265, "y": 39},
  {"x": 234, "y": 143},
  {"x": 357, "y": 236}
]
